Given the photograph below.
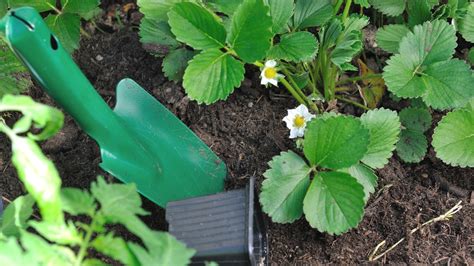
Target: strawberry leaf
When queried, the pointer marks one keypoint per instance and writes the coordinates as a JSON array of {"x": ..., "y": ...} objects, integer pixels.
[
  {"x": 285, "y": 187},
  {"x": 334, "y": 202}
]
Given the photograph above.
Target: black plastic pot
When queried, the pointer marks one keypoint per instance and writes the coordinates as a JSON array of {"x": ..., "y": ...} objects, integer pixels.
[{"x": 226, "y": 228}]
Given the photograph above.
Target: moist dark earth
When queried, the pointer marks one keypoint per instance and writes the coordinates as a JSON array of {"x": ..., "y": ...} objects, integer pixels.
[{"x": 246, "y": 131}]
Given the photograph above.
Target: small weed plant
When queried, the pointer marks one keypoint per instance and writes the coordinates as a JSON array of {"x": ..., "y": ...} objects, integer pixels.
[{"x": 53, "y": 239}]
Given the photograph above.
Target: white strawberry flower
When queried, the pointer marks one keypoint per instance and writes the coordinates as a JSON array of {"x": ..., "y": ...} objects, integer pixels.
[
  {"x": 297, "y": 119},
  {"x": 270, "y": 74}
]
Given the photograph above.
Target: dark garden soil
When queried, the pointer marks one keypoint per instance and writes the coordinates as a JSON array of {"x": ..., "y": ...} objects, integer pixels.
[{"x": 246, "y": 131}]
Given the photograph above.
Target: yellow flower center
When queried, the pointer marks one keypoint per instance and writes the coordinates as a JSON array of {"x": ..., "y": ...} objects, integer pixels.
[
  {"x": 299, "y": 121},
  {"x": 270, "y": 73}
]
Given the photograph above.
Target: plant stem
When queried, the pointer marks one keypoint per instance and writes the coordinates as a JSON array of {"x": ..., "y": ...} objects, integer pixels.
[
  {"x": 346, "y": 10},
  {"x": 258, "y": 63},
  {"x": 59, "y": 12},
  {"x": 338, "y": 6},
  {"x": 232, "y": 52},
  {"x": 85, "y": 244},
  {"x": 83, "y": 32},
  {"x": 352, "y": 102},
  {"x": 293, "y": 83},
  {"x": 292, "y": 91},
  {"x": 369, "y": 76}
]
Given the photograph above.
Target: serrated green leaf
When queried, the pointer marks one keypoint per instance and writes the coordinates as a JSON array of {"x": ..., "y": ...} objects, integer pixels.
[
  {"x": 39, "y": 5},
  {"x": 389, "y": 7},
  {"x": 334, "y": 202},
  {"x": 39, "y": 176},
  {"x": 424, "y": 68},
  {"x": 77, "y": 201},
  {"x": 310, "y": 13},
  {"x": 466, "y": 25},
  {"x": 346, "y": 48},
  {"x": 67, "y": 28},
  {"x": 295, "y": 46},
  {"x": 175, "y": 63},
  {"x": 470, "y": 56},
  {"x": 364, "y": 176},
  {"x": 453, "y": 138},
  {"x": 281, "y": 12},
  {"x": 419, "y": 11},
  {"x": 412, "y": 146},
  {"x": 449, "y": 84},
  {"x": 118, "y": 202},
  {"x": 225, "y": 6},
  {"x": 163, "y": 250},
  {"x": 355, "y": 23},
  {"x": 196, "y": 26},
  {"x": 416, "y": 119},
  {"x": 14, "y": 78},
  {"x": 429, "y": 43},
  {"x": 384, "y": 129},
  {"x": 212, "y": 76},
  {"x": 390, "y": 36},
  {"x": 44, "y": 252},
  {"x": 60, "y": 233},
  {"x": 156, "y": 33},
  {"x": 15, "y": 216},
  {"x": 115, "y": 248},
  {"x": 80, "y": 7},
  {"x": 285, "y": 187},
  {"x": 250, "y": 32},
  {"x": 335, "y": 142},
  {"x": 12, "y": 254},
  {"x": 364, "y": 3},
  {"x": 157, "y": 9},
  {"x": 330, "y": 33},
  {"x": 48, "y": 118}
]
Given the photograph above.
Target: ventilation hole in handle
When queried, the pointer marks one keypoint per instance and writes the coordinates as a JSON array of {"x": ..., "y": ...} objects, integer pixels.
[{"x": 54, "y": 42}]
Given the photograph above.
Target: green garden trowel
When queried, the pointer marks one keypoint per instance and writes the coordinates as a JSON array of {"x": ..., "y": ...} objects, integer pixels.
[{"x": 140, "y": 140}]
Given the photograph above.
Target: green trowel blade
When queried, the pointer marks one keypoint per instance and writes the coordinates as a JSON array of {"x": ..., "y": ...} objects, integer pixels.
[
  {"x": 140, "y": 140},
  {"x": 187, "y": 167}
]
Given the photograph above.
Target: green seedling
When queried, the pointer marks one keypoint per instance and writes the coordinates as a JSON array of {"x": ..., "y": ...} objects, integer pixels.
[{"x": 54, "y": 240}]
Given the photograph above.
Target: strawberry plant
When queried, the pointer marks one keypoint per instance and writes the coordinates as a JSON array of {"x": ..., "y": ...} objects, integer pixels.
[
  {"x": 332, "y": 182},
  {"x": 209, "y": 43},
  {"x": 54, "y": 239},
  {"x": 423, "y": 67}
]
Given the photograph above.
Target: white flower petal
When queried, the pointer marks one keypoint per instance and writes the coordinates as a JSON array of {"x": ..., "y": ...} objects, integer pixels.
[
  {"x": 270, "y": 63},
  {"x": 293, "y": 133},
  {"x": 264, "y": 81},
  {"x": 288, "y": 121},
  {"x": 301, "y": 131},
  {"x": 273, "y": 81},
  {"x": 302, "y": 109}
]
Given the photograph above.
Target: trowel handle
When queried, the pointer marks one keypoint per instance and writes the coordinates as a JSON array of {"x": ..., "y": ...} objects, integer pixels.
[{"x": 52, "y": 66}]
